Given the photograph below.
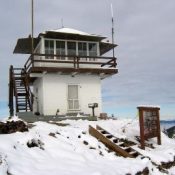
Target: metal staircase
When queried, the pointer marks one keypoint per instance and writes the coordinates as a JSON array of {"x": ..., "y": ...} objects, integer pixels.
[
  {"x": 119, "y": 146},
  {"x": 20, "y": 94}
]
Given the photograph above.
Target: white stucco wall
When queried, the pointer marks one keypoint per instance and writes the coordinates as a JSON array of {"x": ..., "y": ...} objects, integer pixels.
[{"x": 54, "y": 89}]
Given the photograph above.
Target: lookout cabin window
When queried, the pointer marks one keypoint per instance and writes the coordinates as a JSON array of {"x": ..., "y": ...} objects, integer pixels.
[
  {"x": 82, "y": 50},
  {"x": 60, "y": 50},
  {"x": 71, "y": 49},
  {"x": 49, "y": 48},
  {"x": 92, "y": 51}
]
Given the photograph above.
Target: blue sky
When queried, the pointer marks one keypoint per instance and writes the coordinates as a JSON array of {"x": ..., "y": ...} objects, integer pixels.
[{"x": 144, "y": 31}]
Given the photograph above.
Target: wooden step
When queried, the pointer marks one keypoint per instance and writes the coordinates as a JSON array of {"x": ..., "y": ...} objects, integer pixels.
[
  {"x": 19, "y": 88},
  {"x": 113, "y": 143},
  {"x": 21, "y": 94}
]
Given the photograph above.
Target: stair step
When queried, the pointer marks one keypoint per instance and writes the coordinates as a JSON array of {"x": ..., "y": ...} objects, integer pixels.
[
  {"x": 22, "y": 94},
  {"x": 134, "y": 153},
  {"x": 115, "y": 140},
  {"x": 120, "y": 143},
  {"x": 121, "y": 147},
  {"x": 24, "y": 109},
  {"x": 127, "y": 149},
  {"x": 109, "y": 136},
  {"x": 21, "y": 104},
  {"x": 104, "y": 132},
  {"x": 21, "y": 91},
  {"x": 19, "y": 78},
  {"x": 20, "y": 87}
]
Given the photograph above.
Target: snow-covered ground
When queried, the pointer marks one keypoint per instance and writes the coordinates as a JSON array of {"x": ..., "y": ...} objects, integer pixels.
[{"x": 70, "y": 150}]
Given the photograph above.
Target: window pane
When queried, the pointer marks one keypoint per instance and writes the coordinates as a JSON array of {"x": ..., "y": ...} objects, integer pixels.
[
  {"x": 70, "y": 104},
  {"x": 71, "y": 49},
  {"x": 60, "y": 49},
  {"x": 82, "y": 49},
  {"x": 76, "y": 104},
  {"x": 92, "y": 49},
  {"x": 49, "y": 48},
  {"x": 72, "y": 91}
]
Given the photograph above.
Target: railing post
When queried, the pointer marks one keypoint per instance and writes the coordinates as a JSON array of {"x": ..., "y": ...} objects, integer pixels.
[
  {"x": 78, "y": 62},
  {"x": 32, "y": 59},
  {"x": 115, "y": 62},
  {"x": 74, "y": 62},
  {"x": 25, "y": 68}
]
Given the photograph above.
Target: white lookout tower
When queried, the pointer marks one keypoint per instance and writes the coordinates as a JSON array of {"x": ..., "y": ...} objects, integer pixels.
[{"x": 62, "y": 76}]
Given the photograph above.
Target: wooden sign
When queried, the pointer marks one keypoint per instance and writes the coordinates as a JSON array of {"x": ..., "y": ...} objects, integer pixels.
[{"x": 149, "y": 124}]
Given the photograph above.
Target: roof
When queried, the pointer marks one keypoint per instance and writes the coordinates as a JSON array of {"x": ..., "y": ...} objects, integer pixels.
[
  {"x": 70, "y": 31},
  {"x": 73, "y": 34},
  {"x": 24, "y": 44}
]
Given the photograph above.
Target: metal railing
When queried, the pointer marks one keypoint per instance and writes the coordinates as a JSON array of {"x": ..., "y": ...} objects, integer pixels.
[{"x": 75, "y": 61}]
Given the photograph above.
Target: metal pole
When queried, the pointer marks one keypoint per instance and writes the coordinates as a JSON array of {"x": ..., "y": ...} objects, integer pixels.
[
  {"x": 93, "y": 111},
  {"x": 32, "y": 22},
  {"x": 112, "y": 16}
]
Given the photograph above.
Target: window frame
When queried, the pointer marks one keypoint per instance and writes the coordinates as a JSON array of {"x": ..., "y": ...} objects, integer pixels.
[
  {"x": 49, "y": 58},
  {"x": 66, "y": 48},
  {"x": 73, "y": 100}
]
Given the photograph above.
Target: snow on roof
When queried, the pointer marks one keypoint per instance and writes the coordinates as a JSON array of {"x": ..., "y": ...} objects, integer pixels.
[
  {"x": 148, "y": 106},
  {"x": 71, "y": 31}
]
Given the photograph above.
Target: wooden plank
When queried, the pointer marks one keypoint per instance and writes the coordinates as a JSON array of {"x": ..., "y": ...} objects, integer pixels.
[
  {"x": 70, "y": 70},
  {"x": 70, "y": 56},
  {"x": 111, "y": 145},
  {"x": 76, "y": 61}
]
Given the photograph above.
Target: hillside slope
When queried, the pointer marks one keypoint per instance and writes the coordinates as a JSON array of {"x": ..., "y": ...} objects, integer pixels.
[{"x": 52, "y": 149}]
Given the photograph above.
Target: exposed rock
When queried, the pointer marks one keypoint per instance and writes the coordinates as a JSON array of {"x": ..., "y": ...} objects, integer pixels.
[
  {"x": 144, "y": 172},
  {"x": 12, "y": 126},
  {"x": 171, "y": 132},
  {"x": 52, "y": 134},
  {"x": 35, "y": 143},
  {"x": 85, "y": 142},
  {"x": 167, "y": 165},
  {"x": 59, "y": 124},
  {"x": 92, "y": 147}
]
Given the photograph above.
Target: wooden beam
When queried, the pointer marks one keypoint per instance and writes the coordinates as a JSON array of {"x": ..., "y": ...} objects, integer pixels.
[{"x": 70, "y": 70}]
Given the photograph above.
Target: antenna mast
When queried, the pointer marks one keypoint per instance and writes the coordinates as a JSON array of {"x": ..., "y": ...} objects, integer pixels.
[
  {"x": 62, "y": 23},
  {"x": 32, "y": 22},
  {"x": 112, "y": 18}
]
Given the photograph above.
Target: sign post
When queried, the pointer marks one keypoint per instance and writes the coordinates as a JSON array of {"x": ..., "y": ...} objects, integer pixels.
[{"x": 149, "y": 119}]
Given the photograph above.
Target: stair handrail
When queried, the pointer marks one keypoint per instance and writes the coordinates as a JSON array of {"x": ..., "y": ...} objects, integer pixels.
[
  {"x": 14, "y": 87},
  {"x": 11, "y": 93},
  {"x": 30, "y": 95}
]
